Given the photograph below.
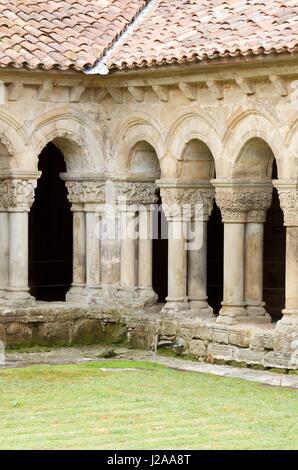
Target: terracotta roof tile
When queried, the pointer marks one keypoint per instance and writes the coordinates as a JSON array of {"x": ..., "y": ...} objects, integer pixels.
[
  {"x": 177, "y": 31},
  {"x": 61, "y": 33},
  {"x": 77, "y": 33}
]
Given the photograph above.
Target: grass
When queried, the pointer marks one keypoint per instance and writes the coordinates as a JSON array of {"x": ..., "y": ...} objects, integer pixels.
[{"x": 82, "y": 407}]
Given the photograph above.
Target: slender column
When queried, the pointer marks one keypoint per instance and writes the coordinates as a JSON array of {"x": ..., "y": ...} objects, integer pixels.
[
  {"x": 145, "y": 250},
  {"x": 197, "y": 254},
  {"x": 288, "y": 195},
  {"x": 4, "y": 251},
  {"x": 79, "y": 254},
  {"x": 134, "y": 199},
  {"x": 254, "y": 243},
  {"x": 128, "y": 267},
  {"x": 233, "y": 205},
  {"x": 20, "y": 199},
  {"x": 177, "y": 208},
  {"x": 92, "y": 250},
  {"x": 87, "y": 195}
]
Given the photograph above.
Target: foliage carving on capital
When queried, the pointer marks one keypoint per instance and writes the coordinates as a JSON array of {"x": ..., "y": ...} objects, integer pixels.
[
  {"x": 83, "y": 192},
  {"x": 137, "y": 193},
  {"x": 189, "y": 202},
  {"x": 243, "y": 206},
  {"x": 289, "y": 204},
  {"x": 17, "y": 194}
]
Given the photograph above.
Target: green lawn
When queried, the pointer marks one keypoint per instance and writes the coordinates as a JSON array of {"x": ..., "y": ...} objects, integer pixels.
[{"x": 81, "y": 407}]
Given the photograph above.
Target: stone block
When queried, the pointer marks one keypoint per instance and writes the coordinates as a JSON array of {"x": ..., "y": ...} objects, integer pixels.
[
  {"x": 249, "y": 356},
  {"x": 115, "y": 333},
  {"x": 220, "y": 335},
  {"x": 18, "y": 334},
  {"x": 202, "y": 333},
  {"x": 53, "y": 333},
  {"x": 238, "y": 338},
  {"x": 143, "y": 337},
  {"x": 87, "y": 331},
  {"x": 197, "y": 348},
  {"x": 221, "y": 351},
  {"x": 275, "y": 359}
]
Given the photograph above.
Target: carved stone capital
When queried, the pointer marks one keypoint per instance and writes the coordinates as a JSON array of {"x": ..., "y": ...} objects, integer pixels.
[
  {"x": 243, "y": 205},
  {"x": 17, "y": 194},
  {"x": 288, "y": 196},
  {"x": 84, "y": 192},
  {"x": 187, "y": 202},
  {"x": 136, "y": 193}
]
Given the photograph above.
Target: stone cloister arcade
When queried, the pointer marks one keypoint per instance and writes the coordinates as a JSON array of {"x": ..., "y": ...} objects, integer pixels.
[{"x": 228, "y": 154}]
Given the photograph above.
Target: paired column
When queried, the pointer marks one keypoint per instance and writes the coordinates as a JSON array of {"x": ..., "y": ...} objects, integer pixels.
[
  {"x": 260, "y": 201},
  {"x": 288, "y": 195},
  {"x": 87, "y": 196},
  {"x": 243, "y": 207},
  {"x": 177, "y": 209},
  {"x": 197, "y": 253},
  {"x": 134, "y": 203}
]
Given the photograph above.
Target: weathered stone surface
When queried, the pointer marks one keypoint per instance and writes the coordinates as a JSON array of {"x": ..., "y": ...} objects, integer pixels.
[
  {"x": 242, "y": 339},
  {"x": 115, "y": 333},
  {"x": 197, "y": 348},
  {"x": 221, "y": 351},
  {"x": 87, "y": 332},
  {"x": 53, "y": 333}
]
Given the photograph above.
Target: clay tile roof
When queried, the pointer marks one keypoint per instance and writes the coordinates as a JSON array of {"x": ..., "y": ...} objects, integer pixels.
[
  {"x": 78, "y": 34},
  {"x": 61, "y": 33},
  {"x": 177, "y": 31}
]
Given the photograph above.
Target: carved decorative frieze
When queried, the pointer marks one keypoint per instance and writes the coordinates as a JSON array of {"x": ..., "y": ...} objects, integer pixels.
[
  {"x": 243, "y": 206},
  {"x": 83, "y": 192},
  {"x": 187, "y": 202},
  {"x": 17, "y": 194},
  {"x": 137, "y": 193},
  {"x": 289, "y": 204}
]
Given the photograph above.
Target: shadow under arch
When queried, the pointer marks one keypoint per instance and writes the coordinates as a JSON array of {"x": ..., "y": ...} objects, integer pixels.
[{"x": 50, "y": 230}]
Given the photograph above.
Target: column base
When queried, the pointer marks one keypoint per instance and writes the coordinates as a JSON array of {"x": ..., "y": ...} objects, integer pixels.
[
  {"x": 289, "y": 321},
  {"x": 175, "y": 305},
  {"x": 231, "y": 314},
  {"x": 257, "y": 313},
  {"x": 19, "y": 298},
  {"x": 128, "y": 296},
  {"x": 201, "y": 308},
  {"x": 77, "y": 294},
  {"x": 147, "y": 296}
]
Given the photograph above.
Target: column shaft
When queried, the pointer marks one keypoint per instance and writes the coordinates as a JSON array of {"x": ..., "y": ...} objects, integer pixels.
[
  {"x": 145, "y": 250},
  {"x": 79, "y": 249},
  {"x": 197, "y": 269},
  {"x": 92, "y": 250},
  {"x": 4, "y": 250},
  {"x": 128, "y": 249},
  {"x": 18, "y": 256},
  {"x": 233, "y": 303},
  {"x": 292, "y": 269},
  {"x": 177, "y": 266}
]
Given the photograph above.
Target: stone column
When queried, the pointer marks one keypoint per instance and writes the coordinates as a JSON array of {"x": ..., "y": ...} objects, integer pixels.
[
  {"x": 4, "y": 250},
  {"x": 233, "y": 204},
  {"x": 87, "y": 195},
  {"x": 254, "y": 238},
  {"x": 288, "y": 195},
  {"x": 20, "y": 196},
  {"x": 197, "y": 254},
  {"x": 134, "y": 200},
  {"x": 177, "y": 209}
]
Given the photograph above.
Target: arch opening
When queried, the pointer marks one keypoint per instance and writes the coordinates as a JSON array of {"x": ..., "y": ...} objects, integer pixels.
[
  {"x": 274, "y": 256},
  {"x": 50, "y": 231}
]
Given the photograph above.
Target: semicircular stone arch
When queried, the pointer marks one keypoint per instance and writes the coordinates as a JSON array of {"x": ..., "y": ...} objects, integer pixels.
[
  {"x": 252, "y": 137},
  {"x": 13, "y": 141},
  {"x": 196, "y": 145},
  {"x": 77, "y": 143},
  {"x": 128, "y": 136}
]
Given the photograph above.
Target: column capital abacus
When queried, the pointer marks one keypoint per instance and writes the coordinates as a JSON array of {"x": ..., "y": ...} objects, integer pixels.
[
  {"x": 288, "y": 196},
  {"x": 187, "y": 200},
  {"x": 242, "y": 201},
  {"x": 136, "y": 193},
  {"x": 85, "y": 192},
  {"x": 17, "y": 194}
]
